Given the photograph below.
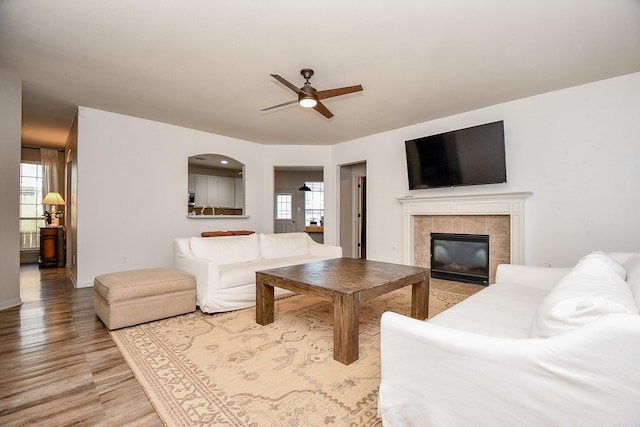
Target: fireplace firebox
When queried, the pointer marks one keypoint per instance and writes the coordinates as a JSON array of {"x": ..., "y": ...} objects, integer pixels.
[{"x": 460, "y": 257}]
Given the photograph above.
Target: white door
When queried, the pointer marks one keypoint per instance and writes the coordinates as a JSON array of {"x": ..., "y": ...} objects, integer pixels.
[{"x": 284, "y": 222}]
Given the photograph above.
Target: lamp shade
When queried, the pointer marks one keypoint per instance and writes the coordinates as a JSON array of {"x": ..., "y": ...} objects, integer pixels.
[
  {"x": 304, "y": 188},
  {"x": 53, "y": 198}
]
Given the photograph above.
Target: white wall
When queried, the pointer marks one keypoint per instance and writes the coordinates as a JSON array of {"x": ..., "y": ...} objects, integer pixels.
[
  {"x": 577, "y": 150},
  {"x": 10, "y": 123},
  {"x": 132, "y": 189}
]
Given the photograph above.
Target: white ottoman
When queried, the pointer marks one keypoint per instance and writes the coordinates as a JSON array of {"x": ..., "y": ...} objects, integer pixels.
[{"x": 131, "y": 297}]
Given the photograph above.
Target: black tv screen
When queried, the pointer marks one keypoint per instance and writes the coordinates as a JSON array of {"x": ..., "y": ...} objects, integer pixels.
[{"x": 468, "y": 156}]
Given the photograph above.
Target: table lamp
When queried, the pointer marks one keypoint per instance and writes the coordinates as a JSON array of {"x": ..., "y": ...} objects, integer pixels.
[{"x": 53, "y": 199}]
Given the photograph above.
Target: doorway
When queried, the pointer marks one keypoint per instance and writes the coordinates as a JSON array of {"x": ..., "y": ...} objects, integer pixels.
[
  {"x": 361, "y": 217},
  {"x": 353, "y": 210},
  {"x": 291, "y": 211}
]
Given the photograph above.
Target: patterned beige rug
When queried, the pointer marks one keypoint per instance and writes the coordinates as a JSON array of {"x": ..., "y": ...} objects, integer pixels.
[{"x": 225, "y": 369}]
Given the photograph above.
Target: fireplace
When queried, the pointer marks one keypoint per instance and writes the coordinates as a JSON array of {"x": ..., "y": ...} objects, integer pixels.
[{"x": 460, "y": 257}]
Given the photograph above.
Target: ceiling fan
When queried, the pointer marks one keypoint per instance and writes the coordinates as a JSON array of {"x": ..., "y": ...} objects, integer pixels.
[{"x": 309, "y": 97}]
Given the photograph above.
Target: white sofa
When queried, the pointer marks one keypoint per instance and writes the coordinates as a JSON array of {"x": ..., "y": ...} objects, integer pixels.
[
  {"x": 540, "y": 347},
  {"x": 225, "y": 267}
]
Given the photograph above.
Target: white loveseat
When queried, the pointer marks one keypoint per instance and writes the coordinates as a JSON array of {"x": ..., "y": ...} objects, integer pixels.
[
  {"x": 540, "y": 347},
  {"x": 225, "y": 267}
]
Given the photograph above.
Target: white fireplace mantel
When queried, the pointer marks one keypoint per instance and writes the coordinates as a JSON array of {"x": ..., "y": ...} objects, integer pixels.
[{"x": 474, "y": 204}]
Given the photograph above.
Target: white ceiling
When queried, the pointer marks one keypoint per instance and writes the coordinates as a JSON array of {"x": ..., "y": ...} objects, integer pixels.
[{"x": 205, "y": 64}]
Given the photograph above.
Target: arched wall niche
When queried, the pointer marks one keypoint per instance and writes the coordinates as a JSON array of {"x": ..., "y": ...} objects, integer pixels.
[{"x": 215, "y": 186}]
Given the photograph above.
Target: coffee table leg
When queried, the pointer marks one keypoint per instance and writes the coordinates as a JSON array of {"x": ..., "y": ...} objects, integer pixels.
[
  {"x": 420, "y": 299},
  {"x": 264, "y": 301},
  {"x": 346, "y": 318}
]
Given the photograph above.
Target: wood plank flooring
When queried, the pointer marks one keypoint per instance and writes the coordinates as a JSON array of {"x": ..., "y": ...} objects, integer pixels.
[
  {"x": 58, "y": 363},
  {"x": 59, "y": 366}
]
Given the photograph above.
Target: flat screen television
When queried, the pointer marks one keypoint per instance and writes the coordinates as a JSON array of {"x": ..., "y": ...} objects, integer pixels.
[{"x": 470, "y": 156}]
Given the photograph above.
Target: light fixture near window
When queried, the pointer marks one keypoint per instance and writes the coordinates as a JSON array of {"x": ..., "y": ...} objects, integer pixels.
[{"x": 304, "y": 188}]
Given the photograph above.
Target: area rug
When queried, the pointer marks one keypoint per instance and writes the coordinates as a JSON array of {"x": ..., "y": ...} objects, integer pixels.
[{"x": 226, "y": 370}]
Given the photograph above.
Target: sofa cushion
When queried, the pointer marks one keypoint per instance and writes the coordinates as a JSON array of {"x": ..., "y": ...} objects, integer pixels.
[
  {"x": 284, "y": 245},
  {"x": 593, "y": 289},
  {"x": 501, "y": 310},
  {"x": 226, "y": 249},
  {"x": 244, "y": 273},
  {"x": 632, "y": 266}
]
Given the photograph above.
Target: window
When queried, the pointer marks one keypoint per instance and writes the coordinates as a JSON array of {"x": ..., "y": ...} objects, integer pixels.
[
  {"x": 314, "y": 203},
  {"x": 30, "y": 205},
  {"x": 284, "y": 206}
]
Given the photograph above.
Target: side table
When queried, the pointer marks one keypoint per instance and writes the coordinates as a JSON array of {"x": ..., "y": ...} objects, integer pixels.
[{"x": 51, "y": 247}]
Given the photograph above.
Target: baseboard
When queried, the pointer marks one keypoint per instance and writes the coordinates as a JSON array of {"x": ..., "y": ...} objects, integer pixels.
[
  {"x": 10, "y": 303},
  {"x": 84, "y": 284},
  {"x": 76, "y": 283}
]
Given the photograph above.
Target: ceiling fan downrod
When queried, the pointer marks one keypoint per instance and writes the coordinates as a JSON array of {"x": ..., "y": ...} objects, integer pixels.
[{"x": 306, "y": 73}]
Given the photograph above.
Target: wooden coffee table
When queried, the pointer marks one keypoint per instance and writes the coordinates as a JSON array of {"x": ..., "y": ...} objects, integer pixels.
[{"x": 347, "y": 282}]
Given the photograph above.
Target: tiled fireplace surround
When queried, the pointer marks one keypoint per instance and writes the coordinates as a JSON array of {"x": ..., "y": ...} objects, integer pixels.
[{"x": 498, "y": 215}]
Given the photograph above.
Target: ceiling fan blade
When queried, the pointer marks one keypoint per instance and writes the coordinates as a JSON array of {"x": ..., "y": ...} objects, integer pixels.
[
  {"x": 286, "y": 83},
  {"x": 320, "y": 108},
  {"x": 324, "y": 94},
  {"x": 295, "y": 101}
]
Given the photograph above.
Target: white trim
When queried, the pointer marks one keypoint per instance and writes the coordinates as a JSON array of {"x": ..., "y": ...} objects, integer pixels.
[
  {"x": 14, "y": 302},
  {"x": 475, "y": 204}
]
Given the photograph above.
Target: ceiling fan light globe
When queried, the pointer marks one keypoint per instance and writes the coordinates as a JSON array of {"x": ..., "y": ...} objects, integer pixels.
[{"x": 307, "y": 102}]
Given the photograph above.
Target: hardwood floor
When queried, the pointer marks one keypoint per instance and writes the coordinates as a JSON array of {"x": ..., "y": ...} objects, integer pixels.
[
  {"x": 60, "y": 367},
  {"x": 59, "y": 364}
]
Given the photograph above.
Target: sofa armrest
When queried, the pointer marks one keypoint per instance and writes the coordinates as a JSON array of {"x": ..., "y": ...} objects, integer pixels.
[
  {"x": 205, "y": 272},
  {"x": 433, "y": 375},
  {"x": 320, "y": 249},
  {"x": 535, "y": 277}
]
